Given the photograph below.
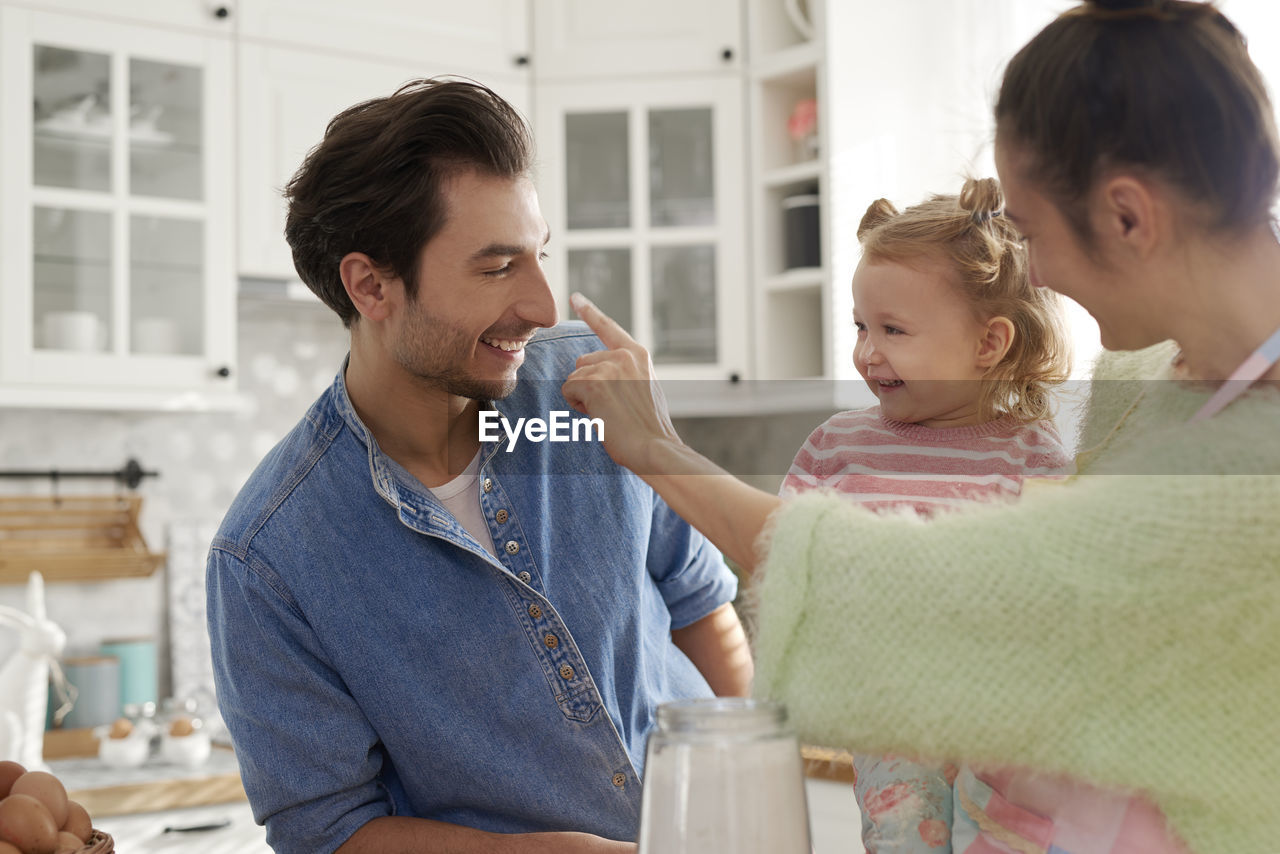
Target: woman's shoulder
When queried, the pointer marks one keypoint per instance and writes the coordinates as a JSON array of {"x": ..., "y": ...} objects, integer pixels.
[{"x": 1150, "y": 363}]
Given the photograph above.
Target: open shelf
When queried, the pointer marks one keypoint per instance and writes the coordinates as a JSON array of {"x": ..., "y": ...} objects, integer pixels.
[
  {"x": 798, "y": 279},
  {"x": 807, "y": 172},
  {"x": 788, "y": 66}
]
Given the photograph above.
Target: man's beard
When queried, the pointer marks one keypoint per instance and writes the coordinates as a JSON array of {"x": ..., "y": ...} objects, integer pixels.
[{"x": 429, "y": 349}]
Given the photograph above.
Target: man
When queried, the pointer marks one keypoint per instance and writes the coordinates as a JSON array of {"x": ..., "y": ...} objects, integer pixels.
[{"x": 425, "y": 639}]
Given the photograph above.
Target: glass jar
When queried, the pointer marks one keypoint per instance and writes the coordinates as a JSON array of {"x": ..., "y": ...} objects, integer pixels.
[{"x": 723, "y": 776}]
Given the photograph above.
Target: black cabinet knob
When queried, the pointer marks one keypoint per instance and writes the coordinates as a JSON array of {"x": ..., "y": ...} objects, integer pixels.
[
  {"x": 221, "y": 12},
  {"x": 727, "y": 54},
  {"x": 735, "y": 378},
  {"x": 223, "y": 372},
  {"x": 522, "y": 60}
]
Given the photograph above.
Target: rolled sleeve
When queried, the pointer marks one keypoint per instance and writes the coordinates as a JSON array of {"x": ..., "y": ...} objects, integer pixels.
[
  {"x": 690, "y": 573},
  {"x": 309, "y": 759}
]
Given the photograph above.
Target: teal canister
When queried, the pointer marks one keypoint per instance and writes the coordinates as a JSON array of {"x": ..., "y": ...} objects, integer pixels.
[
  {"x": 97, "y": 691},
  {"x": 138, "y": 669}
]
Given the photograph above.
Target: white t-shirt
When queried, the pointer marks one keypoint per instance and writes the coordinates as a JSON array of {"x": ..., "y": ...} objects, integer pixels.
[{"x": 461, "y": 497}]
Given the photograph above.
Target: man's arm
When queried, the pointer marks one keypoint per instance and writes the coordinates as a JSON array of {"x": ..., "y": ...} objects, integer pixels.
[
  {"x": 396, "y": 834},
  {"x": 717, "y": 646}
]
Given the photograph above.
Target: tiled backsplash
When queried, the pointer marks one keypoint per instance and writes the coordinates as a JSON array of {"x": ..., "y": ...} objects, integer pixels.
[{"x": 289, "y": 352}]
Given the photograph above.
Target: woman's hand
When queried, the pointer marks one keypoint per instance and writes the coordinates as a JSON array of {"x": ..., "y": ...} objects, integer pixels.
[{"x": 618, "y": 386}]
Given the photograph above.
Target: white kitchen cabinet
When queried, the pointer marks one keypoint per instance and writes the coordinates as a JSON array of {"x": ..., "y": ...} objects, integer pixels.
[
  {"x": 641, "y": 185},
  {"x": 286, "y": 98},
  {"x": 300, "y": 64},
  {"x": 582, "y": 39},
  {"x": 115, "y": 240},
  {"x": 209, "y": 17},
  {"x": 478, "y": 37}
]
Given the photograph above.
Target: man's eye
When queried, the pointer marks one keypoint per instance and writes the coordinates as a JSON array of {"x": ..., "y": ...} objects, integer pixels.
[
  {"x": 505, "y": 268},
  {"x": 542, "y": 256}
]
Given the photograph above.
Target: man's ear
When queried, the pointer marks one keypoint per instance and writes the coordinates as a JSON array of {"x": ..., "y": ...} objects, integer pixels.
[
  {"x": 996, "y": 340},
  {"x": 369, "y": 286},
  {"x": 1129, "y": 215}
]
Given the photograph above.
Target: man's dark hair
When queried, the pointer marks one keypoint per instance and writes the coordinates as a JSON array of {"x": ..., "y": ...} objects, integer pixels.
[{"x": 373, "y": 183}]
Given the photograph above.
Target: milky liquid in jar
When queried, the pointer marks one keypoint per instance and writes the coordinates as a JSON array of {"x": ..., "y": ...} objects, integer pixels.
[{"x": 723, "y": 776}]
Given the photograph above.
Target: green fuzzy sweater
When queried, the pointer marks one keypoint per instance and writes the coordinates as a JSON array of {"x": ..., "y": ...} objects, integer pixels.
[{"x": 1121, "y": 626}]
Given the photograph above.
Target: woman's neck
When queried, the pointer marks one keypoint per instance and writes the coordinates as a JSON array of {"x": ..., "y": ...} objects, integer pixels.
[{"x": 1231, "y": 305}]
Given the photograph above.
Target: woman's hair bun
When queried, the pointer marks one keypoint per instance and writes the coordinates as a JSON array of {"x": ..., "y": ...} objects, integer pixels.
[
  {"x": 1124, "y": 5},
  {"x": 981, "y": 197},
  {"x": 878, "y": 213}
]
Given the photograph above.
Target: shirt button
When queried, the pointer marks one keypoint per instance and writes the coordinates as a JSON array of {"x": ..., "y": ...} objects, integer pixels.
[
  {"x": 619, "y": 780},
  {"x": 551, "y": 641},
  {"x": 512, "y": 547},
  {"x": 487, "y": 485},
  {"x": 535, "y": 611},
  {"x": 566, "y": 672},
  {"x": 525, "y": 577},
  {"x": 501, "y": 516}
]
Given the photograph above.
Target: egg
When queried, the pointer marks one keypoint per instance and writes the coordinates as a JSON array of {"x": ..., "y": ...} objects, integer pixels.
[
  {"x": 181, "y": 726},
  {"x": 78, "y": 821},
  {"x": 69, "y": 843},
  {"x": 47, "y": 789},
  {"x": 9, "y": 771},
  {"x": 121, "y": 728},
  {"x": 25, "y": 823}
]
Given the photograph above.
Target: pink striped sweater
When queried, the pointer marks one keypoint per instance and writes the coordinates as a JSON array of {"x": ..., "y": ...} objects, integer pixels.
[{"x": 883, "y": 463}]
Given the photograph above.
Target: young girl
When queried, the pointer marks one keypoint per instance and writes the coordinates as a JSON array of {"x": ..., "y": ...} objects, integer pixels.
[{"x": 961, "y": 350}]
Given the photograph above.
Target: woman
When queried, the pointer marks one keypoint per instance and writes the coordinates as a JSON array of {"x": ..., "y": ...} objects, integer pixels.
[{"x": 1121, "y": 627}]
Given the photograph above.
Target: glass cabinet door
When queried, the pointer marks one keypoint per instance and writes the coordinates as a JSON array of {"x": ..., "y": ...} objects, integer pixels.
[
  {"x": 681, "y": 196},
  {"x": 76, "y": 141},
  {"x": 597, "y": 170},
  {"x": 117, "y": 220},
  {"x": 604, "y": 277},
  {"x": 166, "y": 282},
  {"x": 72, "y": 124},
  {"x": 681, "y": 167},
  {"x": 652, "y": 214},
  {"x": 166, "y": 127},
  {"x": 72, "y": 280}
]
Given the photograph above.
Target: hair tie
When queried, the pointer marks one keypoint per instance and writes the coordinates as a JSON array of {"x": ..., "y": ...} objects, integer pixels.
[{"x": 981, "y": 217}]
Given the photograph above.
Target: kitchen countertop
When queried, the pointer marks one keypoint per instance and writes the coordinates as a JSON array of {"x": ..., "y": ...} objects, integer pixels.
[
  {"x": 230, "y": 830},
  {"x": 154, "y": 785}
]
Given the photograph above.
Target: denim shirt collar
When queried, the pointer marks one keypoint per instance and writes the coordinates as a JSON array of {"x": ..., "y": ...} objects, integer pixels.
[{"x": 417, "y": 505}]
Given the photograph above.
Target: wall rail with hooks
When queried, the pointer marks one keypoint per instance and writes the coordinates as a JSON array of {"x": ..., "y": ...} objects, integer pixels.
[{"x": 130, "y": 474}]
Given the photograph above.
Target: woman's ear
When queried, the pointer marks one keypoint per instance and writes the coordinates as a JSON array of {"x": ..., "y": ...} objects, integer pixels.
[
  {"x": 1128, "y": 214},
  {"x": 369, "y": 287},
  {"x": 996, "y": 340}
]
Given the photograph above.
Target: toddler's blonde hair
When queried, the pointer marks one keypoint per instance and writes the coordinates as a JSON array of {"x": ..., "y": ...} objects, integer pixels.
[{"x": 970, "y": 234}]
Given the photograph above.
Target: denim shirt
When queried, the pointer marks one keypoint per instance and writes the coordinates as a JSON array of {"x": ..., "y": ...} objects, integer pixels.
[{"x": 371, "y": 658}]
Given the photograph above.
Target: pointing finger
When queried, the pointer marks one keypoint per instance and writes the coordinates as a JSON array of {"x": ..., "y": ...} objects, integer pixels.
[{"x": 613, "y": 335}]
